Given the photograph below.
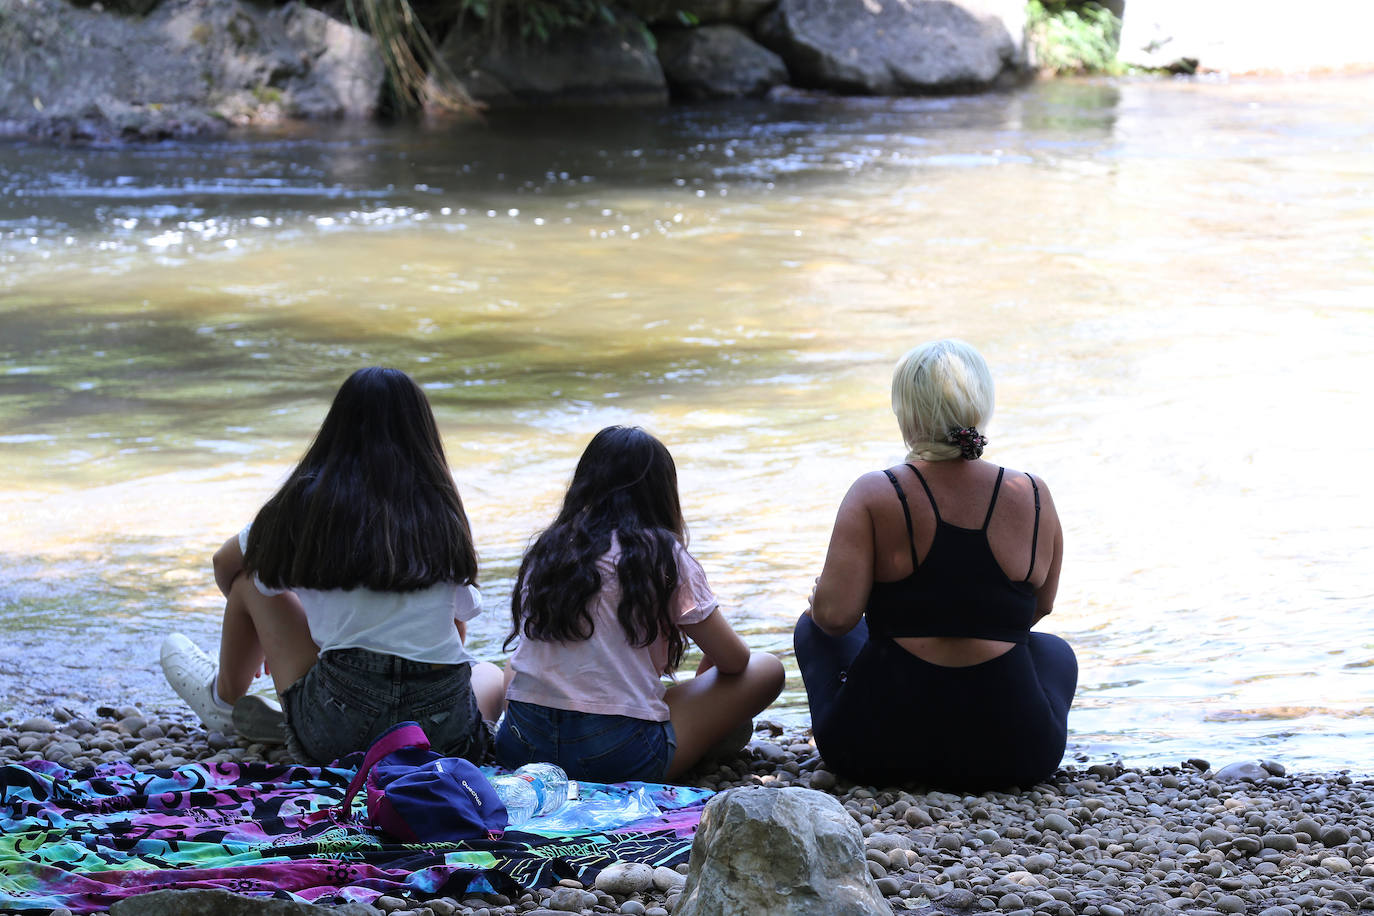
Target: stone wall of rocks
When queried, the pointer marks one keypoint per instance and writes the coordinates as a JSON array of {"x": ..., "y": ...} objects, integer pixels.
[
  {"x": 149, "y": 69},
  {"x": 189, "y": 67},
  {"x": 152, "y": 69},
  {"x": 704, "y": 49}
]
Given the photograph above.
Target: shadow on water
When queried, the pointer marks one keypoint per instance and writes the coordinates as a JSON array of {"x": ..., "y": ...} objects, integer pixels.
[{"x": 514, "y": 154}]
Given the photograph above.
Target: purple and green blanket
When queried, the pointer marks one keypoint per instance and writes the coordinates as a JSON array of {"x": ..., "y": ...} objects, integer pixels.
[{"x": 87, "y": 839}]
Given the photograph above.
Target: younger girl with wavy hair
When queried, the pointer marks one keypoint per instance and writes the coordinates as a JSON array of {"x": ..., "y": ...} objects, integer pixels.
[
  {"x": 352, "y": 586},
  {"x": 603, "y": 606}
]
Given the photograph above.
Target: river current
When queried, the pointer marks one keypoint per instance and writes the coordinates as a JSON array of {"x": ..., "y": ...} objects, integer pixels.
[{"x": 1172, "y": 281}]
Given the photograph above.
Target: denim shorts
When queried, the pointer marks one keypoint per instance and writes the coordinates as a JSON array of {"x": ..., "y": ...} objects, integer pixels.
[
  {"x": 597, "y": 748},
  {"x": 350, "y": 696}
]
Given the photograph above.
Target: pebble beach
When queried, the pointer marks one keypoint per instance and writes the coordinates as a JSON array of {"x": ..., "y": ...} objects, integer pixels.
[{"x": 1101, "y": 840}]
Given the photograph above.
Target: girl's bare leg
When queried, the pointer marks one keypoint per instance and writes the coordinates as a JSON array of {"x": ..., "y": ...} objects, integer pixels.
[
  {"x": 489, "y": 687},
  {"x": 262, "y": 628},
  {"x": 706, "y": 708}
]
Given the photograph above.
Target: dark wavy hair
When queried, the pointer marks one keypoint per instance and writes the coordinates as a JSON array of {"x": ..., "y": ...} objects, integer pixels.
[
  {"x": 625, "y": 484},
  {"x": 372, "y": 504}
]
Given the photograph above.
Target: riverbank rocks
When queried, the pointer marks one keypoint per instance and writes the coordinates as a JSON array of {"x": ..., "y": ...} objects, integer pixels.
[
  {"x": 189, "y": 67},
  {"x": 625, "y": 878},
  {"x": 223, "y": 903},
  {"x": 1244, "y": 770},
  {"x": 611, "y": 64},
  {"x": 897, "y": 47},
  {"x": 1113, "y": 840},
  {"x": 717, "y": 62},
  {"x": 771, "y": 852}
]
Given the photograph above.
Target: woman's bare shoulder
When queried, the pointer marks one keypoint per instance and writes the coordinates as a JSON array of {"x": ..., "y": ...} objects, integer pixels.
[
  {"x": 1027, "y": 487},
  {"x": 873, "y": 484}
]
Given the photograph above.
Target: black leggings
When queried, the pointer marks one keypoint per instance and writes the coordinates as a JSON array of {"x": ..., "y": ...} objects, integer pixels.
[{"x": 881, "y": 715}]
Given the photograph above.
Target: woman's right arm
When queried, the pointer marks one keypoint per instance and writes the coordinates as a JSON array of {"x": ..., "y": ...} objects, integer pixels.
[
  {"x": 841, "y": 593},
  {"x": 228, "y": 563}
]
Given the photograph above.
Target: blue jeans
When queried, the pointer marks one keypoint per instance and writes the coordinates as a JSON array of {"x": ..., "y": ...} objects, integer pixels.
[
  {"x": 592, "y": 747},
  {"x": 350, "y": 696}
]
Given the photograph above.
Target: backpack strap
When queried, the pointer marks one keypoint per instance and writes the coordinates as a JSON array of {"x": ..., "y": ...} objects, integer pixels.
[{"x": 401, "y": 735}]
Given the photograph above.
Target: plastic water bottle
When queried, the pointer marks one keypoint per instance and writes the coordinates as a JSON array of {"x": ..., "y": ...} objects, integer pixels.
[
  {"x": 550, "y": 785},
  {"x": 519, "y": 797}
]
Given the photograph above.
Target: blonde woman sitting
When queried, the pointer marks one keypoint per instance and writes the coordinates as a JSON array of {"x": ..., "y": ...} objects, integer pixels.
[{"x": 917, "y": 651}]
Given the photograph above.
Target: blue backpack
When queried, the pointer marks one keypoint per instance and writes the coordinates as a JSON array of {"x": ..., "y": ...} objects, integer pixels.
[{"x": 418, "y": 796}]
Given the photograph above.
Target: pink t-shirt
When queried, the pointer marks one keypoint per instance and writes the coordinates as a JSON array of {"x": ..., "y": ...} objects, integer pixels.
[{"x": 605, "y": 674}]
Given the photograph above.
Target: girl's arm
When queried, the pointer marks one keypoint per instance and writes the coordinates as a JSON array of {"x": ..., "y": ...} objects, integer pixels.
[
  {"x": 467, "y": 604},
  {"x": 720, "y": 643},
  {"x": 841, "y": 593},
  {"x": 228, "y": 564}
]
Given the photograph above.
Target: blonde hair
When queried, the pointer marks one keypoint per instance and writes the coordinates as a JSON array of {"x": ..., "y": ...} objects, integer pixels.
[{"x": 937, "y": 387}]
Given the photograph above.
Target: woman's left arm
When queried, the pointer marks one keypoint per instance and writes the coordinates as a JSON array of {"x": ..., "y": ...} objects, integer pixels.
[
  {"x": 1045, "y": 594},
  {"x": 841, "y": 593}
]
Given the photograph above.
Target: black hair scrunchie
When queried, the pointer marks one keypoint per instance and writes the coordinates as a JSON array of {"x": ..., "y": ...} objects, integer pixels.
[{"x": 969, "y": 440}]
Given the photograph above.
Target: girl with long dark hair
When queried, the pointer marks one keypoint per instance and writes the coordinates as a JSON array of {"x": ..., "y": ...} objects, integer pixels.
[
  {"x": 352, "y": 586},
  {"x": 604, "y": 604}
]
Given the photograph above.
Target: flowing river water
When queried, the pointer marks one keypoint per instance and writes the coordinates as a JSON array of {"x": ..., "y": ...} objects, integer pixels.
[{"x": 1172, "y": 281}]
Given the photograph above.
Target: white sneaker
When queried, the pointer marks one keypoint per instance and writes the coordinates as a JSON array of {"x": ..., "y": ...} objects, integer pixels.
[{"x": 192, "y": 675}]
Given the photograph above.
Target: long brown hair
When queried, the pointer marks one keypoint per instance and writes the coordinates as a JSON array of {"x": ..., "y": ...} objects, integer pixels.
[
  {"x": 372, "y": 504},
  {"x": 625, "y": 484}
]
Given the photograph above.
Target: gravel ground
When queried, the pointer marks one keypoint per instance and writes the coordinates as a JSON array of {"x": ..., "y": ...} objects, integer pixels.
[{"x": 1107, "y": 839}]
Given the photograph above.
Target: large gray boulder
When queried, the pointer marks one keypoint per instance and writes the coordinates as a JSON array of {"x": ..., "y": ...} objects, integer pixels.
[
  {"x": 898, "y": 47},
  {"x": 717, "y": 62},
  {"x": 603, "y": 65},
  {"x": 703, "y": 12},
  {"x": 189, "y": 67},
  {"x": 778, "y": 852}
]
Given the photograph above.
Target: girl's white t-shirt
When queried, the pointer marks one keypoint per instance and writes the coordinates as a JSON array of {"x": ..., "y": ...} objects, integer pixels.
[
  {"x": 605, "y": 674},
  {"x": 417, "y": 625}
]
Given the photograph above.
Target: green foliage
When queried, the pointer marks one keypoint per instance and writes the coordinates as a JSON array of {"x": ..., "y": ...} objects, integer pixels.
[
  {"x": 1069, "y": 37},
  {"x": 536, "y": 20}
]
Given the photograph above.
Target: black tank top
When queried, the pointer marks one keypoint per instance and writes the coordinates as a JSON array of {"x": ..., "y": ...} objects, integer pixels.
[{"x": 959, "y": 590}]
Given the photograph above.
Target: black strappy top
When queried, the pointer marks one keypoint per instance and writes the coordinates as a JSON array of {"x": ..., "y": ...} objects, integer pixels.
[{"x": 959, "y": 590}]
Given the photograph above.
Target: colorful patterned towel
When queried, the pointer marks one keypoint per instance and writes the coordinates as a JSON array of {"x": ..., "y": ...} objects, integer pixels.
[{"x": 85, "y": 840}]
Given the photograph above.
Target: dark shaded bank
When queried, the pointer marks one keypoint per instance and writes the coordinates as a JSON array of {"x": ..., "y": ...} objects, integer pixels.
[
  {"x": 155, "y": 69},
  {"x": 140, "y": 70},
  {"x": 1105, "y": 840}
]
